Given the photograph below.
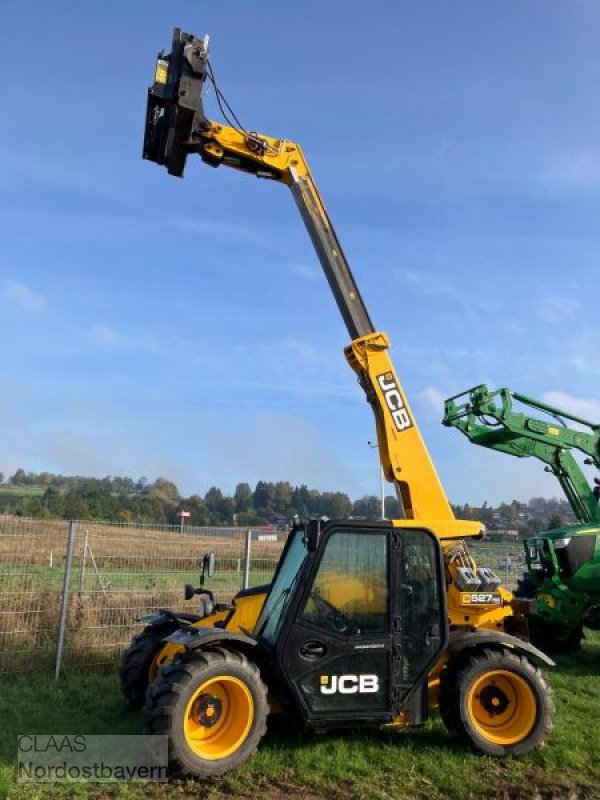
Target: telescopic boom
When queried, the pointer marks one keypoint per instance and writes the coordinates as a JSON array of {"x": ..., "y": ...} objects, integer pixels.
[{"x": 176, "y": 126}]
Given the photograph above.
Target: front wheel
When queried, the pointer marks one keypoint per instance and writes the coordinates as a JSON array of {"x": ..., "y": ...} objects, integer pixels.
[
  {"x": 213, "y": 709},
  {"x": 498, "y": 702}
]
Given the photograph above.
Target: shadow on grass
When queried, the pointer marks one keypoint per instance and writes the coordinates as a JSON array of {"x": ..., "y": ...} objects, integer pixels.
[
  {"x": 583, "y": 662},
  {"x": 283, "y": 734}
]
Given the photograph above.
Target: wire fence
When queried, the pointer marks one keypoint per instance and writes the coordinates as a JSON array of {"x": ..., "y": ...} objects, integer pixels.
[
  {"x": 74, "y": 591},
  {"x": 70, "y": 593}
]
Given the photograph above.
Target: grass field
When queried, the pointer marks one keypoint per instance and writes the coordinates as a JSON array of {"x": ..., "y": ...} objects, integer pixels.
[
  {"x": 22, "y": 491},
  {"x": 423, "y": 763}
]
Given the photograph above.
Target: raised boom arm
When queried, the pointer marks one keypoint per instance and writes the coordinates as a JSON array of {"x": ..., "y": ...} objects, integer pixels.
[
  {"x": 176, "y": 127},
  {"x": 488, "y": 419}
]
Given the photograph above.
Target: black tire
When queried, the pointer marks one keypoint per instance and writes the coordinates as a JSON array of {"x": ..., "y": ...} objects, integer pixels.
[
  {"x": 553, "y": 637},
  {"x": 497, "y": 702},
  {"x": 175, "y": 708},
  {"x": 137, "y": 662}
]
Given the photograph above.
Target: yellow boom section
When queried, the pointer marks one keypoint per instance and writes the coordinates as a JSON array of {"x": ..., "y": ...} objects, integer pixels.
[
  {"x": 176, "y": 127},
  {"x": 404, "y": 455}
]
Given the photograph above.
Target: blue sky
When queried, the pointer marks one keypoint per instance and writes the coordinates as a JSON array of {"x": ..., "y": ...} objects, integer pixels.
[{"x": 153, "y": 326}]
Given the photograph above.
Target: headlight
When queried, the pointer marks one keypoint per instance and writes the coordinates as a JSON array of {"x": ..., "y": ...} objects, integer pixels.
[{"x": 560, "y": 543}]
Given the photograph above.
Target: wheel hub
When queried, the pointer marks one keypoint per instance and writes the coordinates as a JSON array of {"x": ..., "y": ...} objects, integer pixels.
[
  {"x": 493, "y": 700},
  {"x": 208, "y": 710}
]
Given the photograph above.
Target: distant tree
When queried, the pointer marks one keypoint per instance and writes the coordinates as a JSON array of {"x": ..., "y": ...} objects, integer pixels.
[
  {"x": 262, "y": 497},
  {"x": 75, "y": 506},
  {"x": 368, "y": 507},
  {"x": 334, "y": 505},
  {"x": 243, "y": 497},
  {"x": 249, "y": 518},
  {"x": 227, "y": 510},
  {"x": 213, "y": 500},
  {"x": 300, "y": 500},
  {"x": 19, "y": 478},
  {"x": 53, "y": 502},
  {"x": 165, "y": 490},
  {"x": 196, "y": 506},
  {"x": 555, "y": 521},
  {"x": 281, "y": 499},
  {"x": 392, "y": 507},
  {"x": 1, "y": 477}
]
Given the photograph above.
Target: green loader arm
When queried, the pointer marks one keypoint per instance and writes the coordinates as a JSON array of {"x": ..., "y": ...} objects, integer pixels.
[{"x": 487, "y": 418}]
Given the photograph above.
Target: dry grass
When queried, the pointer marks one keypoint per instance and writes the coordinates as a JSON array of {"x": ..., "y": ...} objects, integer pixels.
[{"x": 124, "y": 572}]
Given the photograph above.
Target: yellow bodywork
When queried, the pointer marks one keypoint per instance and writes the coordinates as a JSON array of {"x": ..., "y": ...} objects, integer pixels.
[
  {"x": 404, "y": 456},
  {"x": 241, "y": 619}
]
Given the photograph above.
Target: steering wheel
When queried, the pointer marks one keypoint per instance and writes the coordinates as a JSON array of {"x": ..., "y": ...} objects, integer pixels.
[{"x": 341, "y": 622}]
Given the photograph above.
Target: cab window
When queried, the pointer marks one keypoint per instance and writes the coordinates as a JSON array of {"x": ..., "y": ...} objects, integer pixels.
[{"x": 349, "y": 595}]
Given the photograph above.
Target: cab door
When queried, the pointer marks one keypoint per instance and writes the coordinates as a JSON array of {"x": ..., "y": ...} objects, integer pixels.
[
  {"x": 419, "y": 612},
  {"x": 336, "y": 656}
]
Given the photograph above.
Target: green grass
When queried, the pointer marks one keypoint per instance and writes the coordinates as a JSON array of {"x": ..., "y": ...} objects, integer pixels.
[
  {"x": 22, "y": 491},
  {"x": 418, "y": 763}
]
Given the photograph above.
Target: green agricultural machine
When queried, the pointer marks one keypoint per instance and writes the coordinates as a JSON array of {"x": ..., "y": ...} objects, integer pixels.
[{"x": 561, "y": 589}]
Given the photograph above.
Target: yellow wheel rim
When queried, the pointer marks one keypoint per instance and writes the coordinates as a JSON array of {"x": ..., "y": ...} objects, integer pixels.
[
  {"x": 218, "y": 717},
  {"x": 164, "y": 656},
  {"x": 502, "y": 707}
]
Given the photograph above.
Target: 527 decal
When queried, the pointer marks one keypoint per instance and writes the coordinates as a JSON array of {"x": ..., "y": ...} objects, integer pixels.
[
  {"x": 394, "y": 401},
  {"x": 480, "y": 599}
]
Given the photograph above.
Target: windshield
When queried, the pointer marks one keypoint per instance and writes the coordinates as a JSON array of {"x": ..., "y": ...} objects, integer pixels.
[{"x": 279, "y": 597}]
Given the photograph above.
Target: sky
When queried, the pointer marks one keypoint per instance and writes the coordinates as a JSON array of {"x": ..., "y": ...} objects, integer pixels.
[{"x": 152, "y": 326}]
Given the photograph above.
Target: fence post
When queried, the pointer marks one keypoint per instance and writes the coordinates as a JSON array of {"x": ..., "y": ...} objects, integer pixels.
[
  {"x": 64, "y": 603},
  {"x": 84, "y": 552},
  {"x": 247, "y": 550}
]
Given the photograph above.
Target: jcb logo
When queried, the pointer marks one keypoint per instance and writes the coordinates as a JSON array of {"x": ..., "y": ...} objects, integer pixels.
[
  {"x": 349, "y": 684},
  {"x": 394, "y": 401}
]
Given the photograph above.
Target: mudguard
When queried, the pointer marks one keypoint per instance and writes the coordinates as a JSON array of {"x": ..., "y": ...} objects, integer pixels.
[
  {"x": 462, "y": 640},
  {"x": 193, "y": 638},
  {"x": 164, "y": 615}
]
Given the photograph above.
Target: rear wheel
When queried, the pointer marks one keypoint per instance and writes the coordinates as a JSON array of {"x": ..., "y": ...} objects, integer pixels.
[
  {"x": 213, "y": 708},
  {"x": 141, "y": 662},
  {"x": 497, "y": 702}
]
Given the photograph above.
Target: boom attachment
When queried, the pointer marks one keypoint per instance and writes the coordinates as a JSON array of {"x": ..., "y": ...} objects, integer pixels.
[
  {"x": 488, "y": 419},
  {"x": 175, "y": 113}
]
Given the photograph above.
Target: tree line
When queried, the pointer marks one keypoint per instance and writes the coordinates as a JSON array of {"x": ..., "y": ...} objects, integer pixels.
[{"x": 141, "y": 501}]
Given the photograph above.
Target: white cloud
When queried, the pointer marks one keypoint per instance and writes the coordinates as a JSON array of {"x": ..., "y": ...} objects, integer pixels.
[
  {"x": 24, "y": 297},
  {"x": 556, "y": 308},
  {"x": 433, "y": 398},
  {"x": 306, "y": 351},
  {"x": 305, "y": 271},
  {"x": 104, "y": 336},
  {"x": 579, "y": 169},
  {"x": 580, "y": 406}
]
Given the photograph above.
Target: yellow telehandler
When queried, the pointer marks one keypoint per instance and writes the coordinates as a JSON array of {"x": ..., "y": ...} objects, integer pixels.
[{"x": 364, "y": 623}]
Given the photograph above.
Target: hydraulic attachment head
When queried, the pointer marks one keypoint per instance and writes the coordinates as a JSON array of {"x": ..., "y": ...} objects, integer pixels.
[{"x": 175, "y": 114}]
